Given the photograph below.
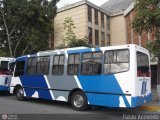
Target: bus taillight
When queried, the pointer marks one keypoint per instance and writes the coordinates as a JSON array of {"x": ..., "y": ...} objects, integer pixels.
[{"x": 139, "y": 73}]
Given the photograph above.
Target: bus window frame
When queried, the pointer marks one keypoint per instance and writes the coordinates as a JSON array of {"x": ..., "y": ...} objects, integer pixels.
[
  {"x": 1, "y": 64},
  {"x": 116, "y": 62},
  {"x": 58, "y": 64},
  {"x": 36, "y": 65},
  {"x": 79, "y": 65},
  {"x": 24, "y": 71},
  {"x": 102, "y": 54}
]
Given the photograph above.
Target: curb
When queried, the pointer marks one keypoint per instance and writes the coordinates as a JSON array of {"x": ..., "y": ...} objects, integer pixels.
[{"x": 150, "y": 108}]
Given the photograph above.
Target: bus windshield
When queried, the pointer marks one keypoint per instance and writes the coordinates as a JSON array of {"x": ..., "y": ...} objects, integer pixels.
[{"x": 142, "y": 64}]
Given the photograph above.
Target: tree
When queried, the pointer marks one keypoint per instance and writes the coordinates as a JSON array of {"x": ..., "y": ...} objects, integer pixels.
[
  {"x": 70, "y": 39},
  {"x": 25, "y": 25},
  {"x": 148, "y": 19}
]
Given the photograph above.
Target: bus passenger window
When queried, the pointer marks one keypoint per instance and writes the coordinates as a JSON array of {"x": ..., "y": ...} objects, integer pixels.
[
  {"x": 38, "y": 65},
  {"x": 116, "y": 61},
  {"x": 19, "y": 71},
  {"x": 43, "y": 65},
  {"x": 58, "y": 65},
  {"x": 91, "y": 63},
  {"x": 73, "y": 64},
  {"x": 31, "y": 66}
]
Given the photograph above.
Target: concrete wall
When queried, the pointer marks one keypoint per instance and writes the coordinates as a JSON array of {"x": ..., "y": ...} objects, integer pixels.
[
  {"x": 118, "y": 30},
  {"x": 78, "y": 15}
]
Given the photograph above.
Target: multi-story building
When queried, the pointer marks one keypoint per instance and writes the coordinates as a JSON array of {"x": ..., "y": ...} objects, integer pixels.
[
  {"x": 117, "y": 20},
  {"x": 90, "y": 21},
  {"x": 133, "y": 37}
]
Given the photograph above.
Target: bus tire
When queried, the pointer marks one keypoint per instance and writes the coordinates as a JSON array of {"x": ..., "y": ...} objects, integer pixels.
[
  {"x": 79, "y": 101},
  {"x": 20, "y": 94}
]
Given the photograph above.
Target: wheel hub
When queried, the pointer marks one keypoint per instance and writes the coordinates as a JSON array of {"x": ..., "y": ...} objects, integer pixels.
[{"x": 78, "y": 101}]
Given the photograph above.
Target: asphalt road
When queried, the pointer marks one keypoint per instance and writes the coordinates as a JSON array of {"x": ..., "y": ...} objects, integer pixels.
[{"x": 42, "y": 109}]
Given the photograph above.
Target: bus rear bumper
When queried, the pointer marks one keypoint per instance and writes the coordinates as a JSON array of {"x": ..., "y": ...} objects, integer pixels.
[
  {"x": 4, "y": 88},
  {"x": 140, "y": 100}
]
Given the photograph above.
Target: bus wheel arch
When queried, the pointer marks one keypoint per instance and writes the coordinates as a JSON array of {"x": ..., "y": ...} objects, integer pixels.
[
  {"x": 16, "y": 87},
  {"x": 19, "y": 92},
  {"x": 78, "y": 99}
]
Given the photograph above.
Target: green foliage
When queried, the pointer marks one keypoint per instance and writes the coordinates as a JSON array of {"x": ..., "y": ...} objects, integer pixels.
[
  {"x": 153, "y": 46},
  {"x": 29, "y": 25},
  {"x": 79, "y": 42},
  {"x": 70, "y": 38},
  {"x": 3, "y": 53},
  {"x": 69, "y": 27},
  {"x": 148, "y": 19}
]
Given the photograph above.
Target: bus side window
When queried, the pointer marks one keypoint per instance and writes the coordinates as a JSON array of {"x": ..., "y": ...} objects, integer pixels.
[
  {"x": 19, "y": 71},
  {"x": 58, "y": 65},
  {"x": 92, "y": 63},
  {"x": 31, "y": 66},
  {"x": 73, "y": 64},
  {"x": 43, "y": 65},
  {"x": 116, "y": 61}
]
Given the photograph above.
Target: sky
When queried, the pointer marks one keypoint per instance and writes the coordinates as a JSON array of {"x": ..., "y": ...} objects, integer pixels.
[{"x": 62, "y": 3}]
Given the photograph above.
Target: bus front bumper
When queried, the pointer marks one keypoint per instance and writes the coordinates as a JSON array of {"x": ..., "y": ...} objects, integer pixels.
[{"x": 4, "y": 88}]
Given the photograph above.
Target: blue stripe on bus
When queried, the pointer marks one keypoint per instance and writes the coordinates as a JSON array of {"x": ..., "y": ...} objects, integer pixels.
[
  {"x": 83, "y": 50},
  {"x": 102, "y": 84},
  {"x": 23, "y": 58},
  {"x": 4, "y": 88},
  {"x": 36, "y": 81}
]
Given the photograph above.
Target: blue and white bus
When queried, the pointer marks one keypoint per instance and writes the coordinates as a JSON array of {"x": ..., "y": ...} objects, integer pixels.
[
  {"x": 5, "y": 77},
  {"x": 115, "y": 76}
]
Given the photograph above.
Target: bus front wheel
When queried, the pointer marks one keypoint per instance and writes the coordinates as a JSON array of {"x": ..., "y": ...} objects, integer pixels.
[
  {"x": 20, "y": 94},
  {"x": 79, "y": 101}
]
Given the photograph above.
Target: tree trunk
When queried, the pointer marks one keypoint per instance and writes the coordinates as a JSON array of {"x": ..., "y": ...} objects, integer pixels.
[{"x": 8, "y": 35}]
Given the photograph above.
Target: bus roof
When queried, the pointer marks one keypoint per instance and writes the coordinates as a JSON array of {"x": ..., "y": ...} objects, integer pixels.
[
  {"x": 6, "y": 59},
  {"x": 79, "y": 50}
]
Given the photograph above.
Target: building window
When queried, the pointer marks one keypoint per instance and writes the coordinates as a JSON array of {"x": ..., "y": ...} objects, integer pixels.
[
  {"x": 108, "y": 40},
  {"x": 89, "y": 14},
  {"x": 102, "y": 20},
  {"x": 102, "y": 39},
  {"x": 19, "y": 71},
  {"x": 116, "y": 61},
  {"x": 73, "y": 64},
  {"x": 96, "y": 37},
  {"x": 108, "y": 23},
  {"x": 90, "y": 35},
  {"x": 96, "y": 16},
  {"x": 58, "y": 65},
  {"x": 91, "y": 63}
]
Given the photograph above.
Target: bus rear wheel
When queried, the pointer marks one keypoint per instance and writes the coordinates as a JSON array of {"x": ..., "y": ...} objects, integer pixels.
[
  {"x": 79, "y": 101},
  {"x": 20, "y": 94}
]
